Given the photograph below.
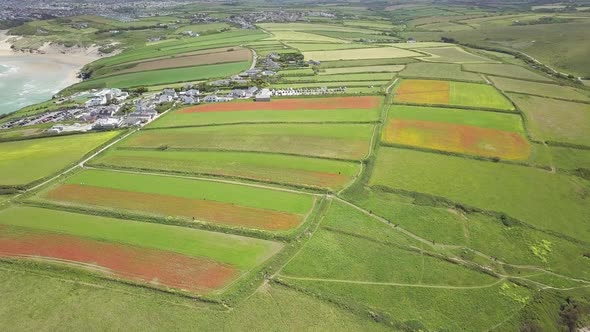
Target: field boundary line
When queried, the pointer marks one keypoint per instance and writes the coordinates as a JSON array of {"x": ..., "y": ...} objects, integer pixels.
[
  {"x": 253, "y": 123},
  {"x": 317, "y": 226},
  {"x": 377, "y": 283}
]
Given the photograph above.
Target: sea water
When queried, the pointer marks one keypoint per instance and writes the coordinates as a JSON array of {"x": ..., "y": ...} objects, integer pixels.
[{"x": 27, "y": 80}]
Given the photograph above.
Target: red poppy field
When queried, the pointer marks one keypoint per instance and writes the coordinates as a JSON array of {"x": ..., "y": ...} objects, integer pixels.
[
  {"x": 157, "y": 267},
  {"x": 165, "y": 205},
  {"x": 457, "y": 138},
  {"x": 364, "y": 102}
]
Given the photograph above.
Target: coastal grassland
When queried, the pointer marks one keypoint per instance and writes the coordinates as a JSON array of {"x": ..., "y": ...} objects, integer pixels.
[
  {"x": 155, "y": 77},
  {"x": 294, "y": 170},
  {"x": 348, "y": 77},
  {"x": 508, "y": 70},
  {"x": 450, "y": 93},
  {"x": 540, "y": 89},
  {"x": 241, "y": 252},
  {"x": 358, "y": 36},
  {"x": 453, "y": 55},
  {"x": 445, "y": 26},
  {"x": 22, "y": 162},
  {"x": 553, "y": 202},
  {"x": 350, "y": 141},
  {"x": 66, "y": 290},
  {"x": 214, "y": 202},
  {"x": 362, "y": 69},
  {"x": 420, "y": 45},
  {"x": 454, "y": 130},
  {"x": 509, "y": 242},
  {"x": 555, "y": 120},
  {"x": 427, "y": 308},
  {"x": 361, "y": 53},
  {"x": 439, "y": 71},
  {"x": 354, "y": 254},
  {"x": 345, "y": 109},
  {"x": 570, "y": 158}
]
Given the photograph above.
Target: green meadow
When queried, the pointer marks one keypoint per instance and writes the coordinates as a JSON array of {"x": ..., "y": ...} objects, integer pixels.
[
  {"x": 22, "y": 162},
  {"x": 552, "y": 202}
]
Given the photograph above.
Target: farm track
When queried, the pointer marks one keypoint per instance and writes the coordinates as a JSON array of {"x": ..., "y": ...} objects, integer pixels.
[{"x": 376, "y": 283}]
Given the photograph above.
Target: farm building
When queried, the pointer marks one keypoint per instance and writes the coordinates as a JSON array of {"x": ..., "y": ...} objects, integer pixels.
[
  {"x": 216, "y": 99},
  {"x": 263, "y": 95}
]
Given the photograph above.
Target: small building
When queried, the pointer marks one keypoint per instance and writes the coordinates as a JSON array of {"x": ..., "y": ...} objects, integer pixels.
[
  {"x": 189, "y": 100},
  {"x": 263, "y": 95},
  {"x": 107, "y": 124},
  {"x": 411, "y": 40},
  {"x": 314, "y": 63},
  {"x": 192, "y": 93},
  {"x": 216, "y": 99}
]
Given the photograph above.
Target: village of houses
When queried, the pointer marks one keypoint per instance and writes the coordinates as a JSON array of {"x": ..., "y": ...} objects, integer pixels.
[{"x": 112, "y": 108}]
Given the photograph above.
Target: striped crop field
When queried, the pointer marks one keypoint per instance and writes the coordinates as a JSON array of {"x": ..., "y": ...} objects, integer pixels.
[
  {"x": 187, "y": 199},
  {"x": 341, "y": 109},
  {"x": 160, "y": 255}
]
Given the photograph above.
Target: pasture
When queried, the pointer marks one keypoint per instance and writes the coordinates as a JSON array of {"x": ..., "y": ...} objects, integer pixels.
[
  {"x": 23, "y": 162},
  {"x": 349, "y": 77},
  {"x": 528, "y": 194},
  {"x": 214, "y": 202},
  {"x": 359, "y": 54},
  {"x": 291, "y": 170},
  {"x": 555, "y": 120},
  {"x": 540, "y": 89},
  {"x": 452, "y": 55},
  {"x": 454, "y": 130},
  {"x": 507, "y": 70},
  {"x": 439, "y": 71},
  {"x": 450, "y": 93},
  {"x": 335, "y": 109},
  {"x": 133, "y": 250},
  {"x": 344, "y": 141}
]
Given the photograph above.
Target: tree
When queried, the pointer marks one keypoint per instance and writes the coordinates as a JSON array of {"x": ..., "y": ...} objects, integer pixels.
[{"x": 570, "y": 313}]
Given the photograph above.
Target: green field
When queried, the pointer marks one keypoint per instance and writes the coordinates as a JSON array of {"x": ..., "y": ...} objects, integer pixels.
[
  {"x": 349, "y": 85},
  {"x": 547, "y": 201},
  {"x": 439, "y": 71},
  {"x": 156, "y": 77},
  {"x": 570, "y": 158},
  {"x": 362, "y": 69},
  {"x": 340, "y": 78},
  {"x": 555, "y": 120},
  {"x": 125, "y": 304},
  {"x": 452, "y": 55},
  {"x": 22, "y": 162},
  {"x": 305, "y": 47},
  {"x": 540, "y": 89},
  {"x": 241, "y": 252},
  {"x": 294, "y": 170},
  {"x": 501, "y": 69},
  {"x": 333, "y": 253},
  {"x": 179, "y": 119},
  {"x": 329, "y": 140},
  {"x": 362, "y": 53}
]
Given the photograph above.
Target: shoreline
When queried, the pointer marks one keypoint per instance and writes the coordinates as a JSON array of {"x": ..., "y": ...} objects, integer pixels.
[{"x": 72, "y": 58}]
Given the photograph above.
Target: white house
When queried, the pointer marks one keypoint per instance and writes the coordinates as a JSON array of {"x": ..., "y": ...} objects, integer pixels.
[
  {"x": 216, "y": 99},
  {"x": 263, "y": 95}
]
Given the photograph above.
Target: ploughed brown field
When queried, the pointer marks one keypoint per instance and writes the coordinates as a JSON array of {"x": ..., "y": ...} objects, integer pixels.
[
  {"x": 211, "y": 211},
  {"x": 158, "y": 267},
  {"x": 219, "y": 56}
]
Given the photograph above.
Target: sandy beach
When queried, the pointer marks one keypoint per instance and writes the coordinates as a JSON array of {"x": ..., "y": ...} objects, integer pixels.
[{"x": 29, "y": 78}]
